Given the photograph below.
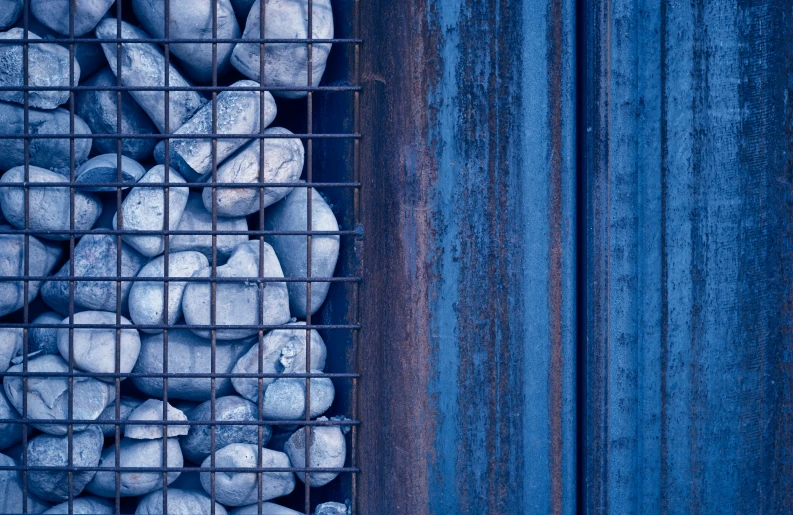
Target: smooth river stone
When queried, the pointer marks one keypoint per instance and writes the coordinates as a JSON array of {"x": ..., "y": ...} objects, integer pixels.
[
  {"x": 196, "y": 218},
  {"x": 144, "y": 210},
  {"x": 143, "y": 64},
  {"x": 10, "y": 345},
  {"x": 50, "y": 207},
  {"x": 128, "y": 405},
  {"x": 197, "y": 445},
  {"x": 241, "y": 488},
  {"x": 50, "y": 153},
  {"x": 187, "y": 354},
  {"x": 237, "y": 303},
  {"x": 147, "y": 299},
  {"x": 268, "y": 508},
  {"x": 332, "y": 508},
  {"x": 53, "y": 451},
  {"x": 285, "y": 398},
  {"x": 283, "y": 352},
  {"x": 86, "y": 505},
  {"x": 95, "y": 349},
  {"x": 10, "y": 433},
  {"x": 104, "y": 168},
  {"x": 88, "y": 55},
  {"x": 11, "y": 490},
  {"x": 10, "y": 12},
  {"x": 99, "y": 109},
  {"x": 48, "y": 397},
  {"x": 237, "y": 113},
  {"x": 291, "y": 214},
  {"x": 192, "y": 19},
  {"x": 94, "y": 256},
  {"x": 44, "y": 339},
  {"x": 55, "y": 14},
  {"x": 286, "y": 64},
  {"x": 43, "y": 256},
  {"x": 138, "y": 454},
  {"x": 328, "y": 449},
  {"x": 152, "y": 410},
  {"x": 48, "y": 65},
  {"x": 283, "y": 162},
  {"x": 180, "y": 502}
]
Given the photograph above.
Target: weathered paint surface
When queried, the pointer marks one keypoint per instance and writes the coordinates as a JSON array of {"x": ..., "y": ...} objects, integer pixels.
[
  {"x": 689, "y": 171},
  {"x": 468, "y": 355}
]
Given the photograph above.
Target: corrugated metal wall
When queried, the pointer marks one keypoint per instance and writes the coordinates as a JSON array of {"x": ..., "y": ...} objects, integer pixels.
[{"x": 577, "y": 266}]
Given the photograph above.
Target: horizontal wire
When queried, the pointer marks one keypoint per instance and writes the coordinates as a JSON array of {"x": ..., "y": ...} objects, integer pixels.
[
  {"x": 182, "y": 136},
  {"x": 78, "y": 184},
  {"x": 22, "y": 41},
  {"x": 209, "y": 280},
  {"x": 204, "y": 327},
  {"x": 316, "y": 89},
  {"x": 75, "y": 468},
  {"x": 108, "y": 422},
  {"x": 188, "y": 375}
]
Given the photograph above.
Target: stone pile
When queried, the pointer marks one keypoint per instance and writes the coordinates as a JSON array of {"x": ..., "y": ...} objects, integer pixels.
[{"x": 138, "y": 326}]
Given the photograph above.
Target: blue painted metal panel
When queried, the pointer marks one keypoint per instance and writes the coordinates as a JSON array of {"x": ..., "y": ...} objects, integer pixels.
[
  {"x": 469, "y": 206},
  {"x": 688, "y": 328}
]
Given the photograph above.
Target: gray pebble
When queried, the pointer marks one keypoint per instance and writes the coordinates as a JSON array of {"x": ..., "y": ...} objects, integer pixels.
[
  {"x": 268, "y": 508},
  {"x": 50, "y": 207},
  {"x": 283, "y": 162},
  {"x": 10, "y": 433},
  {"x": 99, "y": 109},
  {"x": 290, "y": 214},
  {"x": 139, "y": 454},
  {"x": 196, "y": 218},
  {"x": 44, "y": 339},
  {"x": 94, "y": 256},
  {"x": 285, "y": 398},
  {"x": 11, "y": 490},
  {"x": 43, "y": 256},
  {"x": 283, "y": 352},
  {"x": 104, "y": 168},
  {"x": 241, "y": 488},
  {"x": 50, "y": 153},
  {"x": 86, "y": 505},
  {"x": 197, "y": 445},
  {"x": 48, "y": 397},
  {"x": 10, "y": 345},
  {"x": 237, "y": 112},
  {"x": 143, "y": 64},
  {"x": 328, "y": 449},
  {"x": 152, "y": 410},
  {"x": 146, "y": 299},
  {"x": 237, "y": 303},
  {"x": 128, "y": 404},
  {"x": 88, "y": 55},
  {"x": 286, "y": 64},
  {"x": 48, "y": 65},
  {"x": 55, "y": 14},
  {"x": 10, "y": 11},
  {"x": 94, "y": 349},
  {"x": 144, "y": 210},
  {"x": 332, "y": 508},
  {"x": 180, "y": 502},
  {"x": 187, "y": 354},
  {"x": 53, "y": 451},
  {"x": 192, "y": 19}
]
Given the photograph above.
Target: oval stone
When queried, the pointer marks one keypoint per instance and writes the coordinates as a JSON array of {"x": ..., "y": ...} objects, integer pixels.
[
  {"x": 237, "y": 303},
  {"x": 152, "y": 410},
  {"x": 147, "y": 299},
  {"x": 44, "y": 339},
  {"x": 283, "y": 162},
  {"x": 268, "y": 508},
  {"x": 104, "y": 168},
  {"x": 86, "y": 505},
  {"x": 10, "y": 432},
  {"x": 50, "y": 207},
  {"x": 128, "y": 404},
  {"x": 10, "y": 11},
  {"x": 196, "y": 218},
  {"x": 11, "y": 490},
  {"x": 43, "y": 255},
  {"x": 55, "y": 14},
  {"x": 328, "y": 449},
  {"x": 180, "y": 502},
  {"x": 241, "y": 488},
  {"x": 285, "y": 398}
]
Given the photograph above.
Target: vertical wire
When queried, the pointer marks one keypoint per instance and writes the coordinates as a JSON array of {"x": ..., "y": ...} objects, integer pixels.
[
  {"x": 356, "y": 287},
  {"x": 26, "y": 260},
  {"x": 70, "y": 426},
  {"x": 309, "y": 228},
  {"x": 166, "y": 221},
  {"x": 120, "y": 226},
  {"x": 262, "y": 285},
  {"x": 213, "y": 283}
]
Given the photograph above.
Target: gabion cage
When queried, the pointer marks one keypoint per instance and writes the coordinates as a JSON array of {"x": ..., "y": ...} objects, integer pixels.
[{"x": 46, "y": 270}]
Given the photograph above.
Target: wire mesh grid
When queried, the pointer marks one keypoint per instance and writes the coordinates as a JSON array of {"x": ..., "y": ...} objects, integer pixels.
[{"x": 337, "y": 320}]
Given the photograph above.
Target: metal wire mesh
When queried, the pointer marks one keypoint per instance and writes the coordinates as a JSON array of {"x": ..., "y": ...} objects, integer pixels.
[{"x": 331, "y": 167}]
